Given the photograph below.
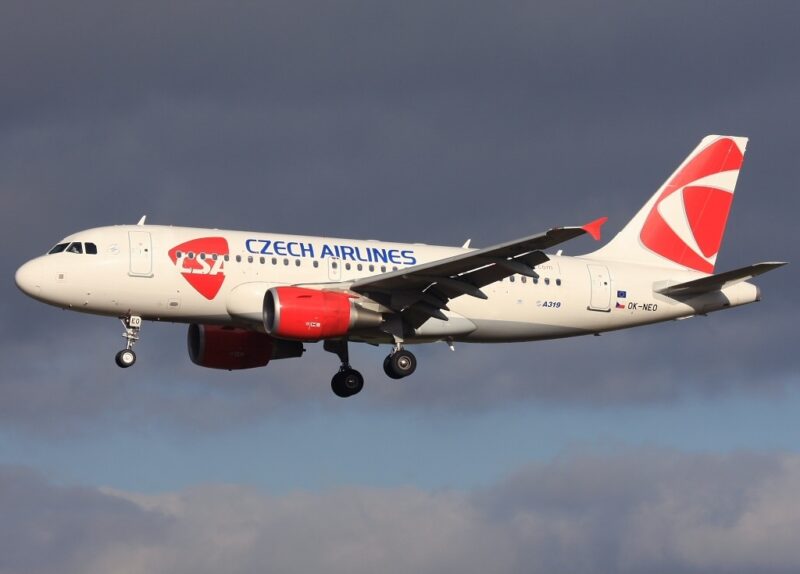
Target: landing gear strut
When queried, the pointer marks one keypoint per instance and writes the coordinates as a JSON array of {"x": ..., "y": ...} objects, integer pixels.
[
  {"x": 126, "y": 357},
  {"x": 399, "y": 363},
  {"x": 347, "y": 382}
]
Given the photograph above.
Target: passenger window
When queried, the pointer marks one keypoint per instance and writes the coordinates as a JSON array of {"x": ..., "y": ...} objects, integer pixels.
[
  {"x": 316, "y": 264},
  {"x": 202, "y": 256},
  {"x": 58, "y": 248},
  {"x": 227, "y": 257},
  {"x": 523, "y": 279},
  {"x": 249, "y": 258},
  {"x": 347, "y": 266},
  {"x": 238, "y": 259},
  {"x": 359, "y": 267},
  {"x": 394, "y": 268},
  {"x": 558, "y": 282},
  {"x": 372, "y": 268},
  {"x": 91, "y": 248},
  {"x": 214, "y": 256},
  {"x": 191, "y": 255},
  {"x": 511, "y": 278},
  {"x": 262, "y": 260},
  {"x": 75, "y": 247},
  {"x": 286, "y": 262},
  {"x": 274, "y": 260},
  {"x": 178, "y": 255},
  {"x": 535, "y": 280},
  {"x": 383, "y": 268},
  {"x": 297, "y": 263},
  {"x": 547, "y": 281}
]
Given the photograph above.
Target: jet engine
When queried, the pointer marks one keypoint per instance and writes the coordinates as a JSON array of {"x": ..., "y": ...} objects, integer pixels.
[
  {"x": 232, "y": 349},
  {"x": 310, "y": 315}
]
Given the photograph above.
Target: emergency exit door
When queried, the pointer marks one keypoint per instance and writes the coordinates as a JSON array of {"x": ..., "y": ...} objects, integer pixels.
[{"x": 334, "y": 269}]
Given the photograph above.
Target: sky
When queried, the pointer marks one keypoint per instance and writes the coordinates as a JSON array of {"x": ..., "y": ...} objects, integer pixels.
[{"x": 669, "y": 448}]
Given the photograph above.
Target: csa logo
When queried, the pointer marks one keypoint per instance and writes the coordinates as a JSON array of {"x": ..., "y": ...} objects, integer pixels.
[
  {"x": 198, "y": 266},
  {"x": 688, "y": 220}
]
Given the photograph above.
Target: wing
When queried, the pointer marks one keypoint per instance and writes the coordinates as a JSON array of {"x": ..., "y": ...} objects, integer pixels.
[{"x": 421, "y": 292}]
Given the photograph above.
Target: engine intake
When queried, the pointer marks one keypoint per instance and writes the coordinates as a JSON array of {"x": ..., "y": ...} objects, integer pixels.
[
  {"x": 229, "y": 348},
  {"x": 310, "y": 315}
]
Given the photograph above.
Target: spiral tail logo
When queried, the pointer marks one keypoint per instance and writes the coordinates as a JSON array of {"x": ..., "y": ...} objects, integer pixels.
[{"x": 687, "y": 221}]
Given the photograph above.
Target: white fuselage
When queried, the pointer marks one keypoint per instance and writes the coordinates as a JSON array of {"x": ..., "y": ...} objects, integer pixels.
[{"x": 138, "y": 271}]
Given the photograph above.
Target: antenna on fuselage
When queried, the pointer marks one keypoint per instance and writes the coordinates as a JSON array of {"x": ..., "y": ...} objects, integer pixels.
[
  {"x": 466, "y": 244},
  {"x": 141, "y": 221}
]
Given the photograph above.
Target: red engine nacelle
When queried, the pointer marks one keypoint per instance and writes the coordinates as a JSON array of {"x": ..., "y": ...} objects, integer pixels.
[
  {"x": 310, "y": 315},
  {"x": 227, "y": 348}
]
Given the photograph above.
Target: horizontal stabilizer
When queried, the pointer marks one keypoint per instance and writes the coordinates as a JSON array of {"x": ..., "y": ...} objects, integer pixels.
[{"x": 718, "y": 281}]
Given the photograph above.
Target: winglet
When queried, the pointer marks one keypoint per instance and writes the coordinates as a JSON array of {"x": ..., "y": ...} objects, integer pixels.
[{"x": 593, "y": 227}]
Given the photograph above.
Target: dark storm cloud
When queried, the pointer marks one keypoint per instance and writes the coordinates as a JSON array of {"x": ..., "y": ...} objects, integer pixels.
[
  {"x": 419, "y": 122},
  {"x": 628, "y": 512}
]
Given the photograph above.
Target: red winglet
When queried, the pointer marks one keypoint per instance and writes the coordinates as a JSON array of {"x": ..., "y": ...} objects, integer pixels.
[{"x": 593, "y": 227}]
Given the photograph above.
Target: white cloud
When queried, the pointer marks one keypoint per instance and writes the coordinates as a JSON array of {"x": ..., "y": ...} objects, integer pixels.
[{"x": 632, "y": 512}]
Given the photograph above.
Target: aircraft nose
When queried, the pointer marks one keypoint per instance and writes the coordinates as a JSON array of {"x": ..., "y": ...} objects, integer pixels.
[{"x": 29, "y": 278}]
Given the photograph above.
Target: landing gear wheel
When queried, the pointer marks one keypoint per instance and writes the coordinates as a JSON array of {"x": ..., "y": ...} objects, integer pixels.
[
  {"x": 133, "y": 324},
  {"x": 347, "y": 382},
  {"x": 387, "y": 368},
  {"x": 400, "y": 364},
  {"x": 125, "y": 358}
]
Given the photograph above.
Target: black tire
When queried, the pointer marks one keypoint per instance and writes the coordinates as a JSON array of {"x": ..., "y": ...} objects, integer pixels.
[
  {"x": 400, "y": 364},
  {"x": 387, "y": 368},
  {"x": 347, "y": 383},
  {"x": 125, "y": 358}
]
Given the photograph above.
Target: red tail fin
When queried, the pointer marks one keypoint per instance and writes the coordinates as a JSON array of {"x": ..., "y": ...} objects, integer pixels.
[{"x": 683, "y": 223}]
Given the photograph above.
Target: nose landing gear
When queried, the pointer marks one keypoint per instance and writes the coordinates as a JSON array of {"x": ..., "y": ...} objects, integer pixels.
[{"x": 126, "y": 357}]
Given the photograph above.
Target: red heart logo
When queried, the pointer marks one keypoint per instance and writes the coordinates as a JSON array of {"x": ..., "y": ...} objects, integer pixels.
[{"x": 201, "y": 263}]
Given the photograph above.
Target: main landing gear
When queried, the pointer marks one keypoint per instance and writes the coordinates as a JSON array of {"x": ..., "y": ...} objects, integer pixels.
[
  {"x": 399, "y": 363},
  {"x": 348, "y": 382},
  {"x": 126, "y": 357}
]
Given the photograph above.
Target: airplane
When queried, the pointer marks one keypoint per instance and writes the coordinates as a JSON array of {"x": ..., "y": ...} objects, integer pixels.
[{"x": 252, "y": 297}]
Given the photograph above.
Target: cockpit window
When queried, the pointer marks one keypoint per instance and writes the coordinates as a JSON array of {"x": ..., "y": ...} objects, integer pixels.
[
  {"x": 91, "y": 248},
  {"x": 75, "y": 247},
  {"x": 58, "y": 248}
]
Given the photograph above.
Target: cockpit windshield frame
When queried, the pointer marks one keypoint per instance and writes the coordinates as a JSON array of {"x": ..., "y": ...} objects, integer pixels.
[{"x": 75, "y": 247}]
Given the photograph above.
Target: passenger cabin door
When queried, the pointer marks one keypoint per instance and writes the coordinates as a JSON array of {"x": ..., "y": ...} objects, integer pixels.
[
  {"x": 141, "y": 260},
  {"x": 600, "y": 298}
]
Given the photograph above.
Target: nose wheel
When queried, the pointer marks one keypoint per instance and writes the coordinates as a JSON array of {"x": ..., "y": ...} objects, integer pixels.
[
  {"x": 400, "y": 364},
  {"x": 126, "y": 357}
]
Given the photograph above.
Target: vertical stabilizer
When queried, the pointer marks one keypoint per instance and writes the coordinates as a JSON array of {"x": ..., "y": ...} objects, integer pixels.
[{"x": 682, "y": 225}]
